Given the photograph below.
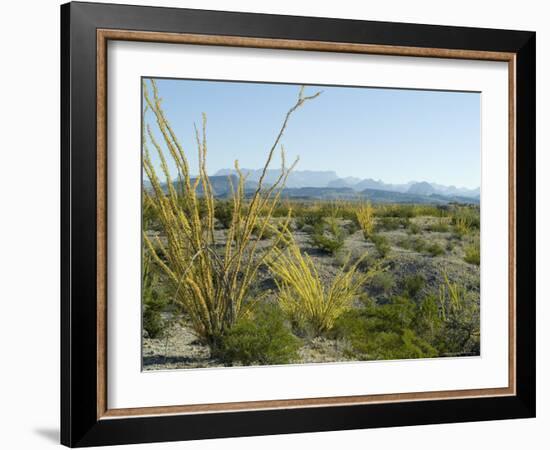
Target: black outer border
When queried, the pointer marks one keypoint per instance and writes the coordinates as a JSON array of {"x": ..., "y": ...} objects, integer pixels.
[{"x": 79, "y": 425}]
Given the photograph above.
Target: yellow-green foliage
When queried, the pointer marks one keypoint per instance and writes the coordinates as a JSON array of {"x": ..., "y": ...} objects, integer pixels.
[
  {"x": 427, "y": 210},
  {"x": 465, "y": 219},
  {"x": 365, "y": 218},
  {"x": 305, "y": 298},
  {"x": 472, "y": 253},
  {"x": 451, "y": 297},
  {"x": 211, "y": 277},
  {"x": 462, "y": 225}
]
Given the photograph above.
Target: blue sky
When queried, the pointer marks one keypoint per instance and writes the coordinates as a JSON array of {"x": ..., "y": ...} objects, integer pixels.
[{"x": 390, "y": 134}]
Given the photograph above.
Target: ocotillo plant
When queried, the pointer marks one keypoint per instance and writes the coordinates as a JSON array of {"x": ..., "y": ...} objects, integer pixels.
[
  {"x": 365, "y": 218},
  {"x": 304, "y": 297},
  {"x": 211, "y": 276}
]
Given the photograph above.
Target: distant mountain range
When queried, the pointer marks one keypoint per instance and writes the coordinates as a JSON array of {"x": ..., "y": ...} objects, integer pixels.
[
  {"x": 299, "y": 179},
  {"x": 326, "y": 185}
]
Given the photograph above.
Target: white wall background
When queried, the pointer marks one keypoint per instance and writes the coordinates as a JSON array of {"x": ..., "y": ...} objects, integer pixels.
[{"x": 29, "y": 229}]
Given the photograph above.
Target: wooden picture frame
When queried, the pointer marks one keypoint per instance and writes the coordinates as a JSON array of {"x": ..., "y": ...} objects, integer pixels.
[{"x": 86, "y": 418}]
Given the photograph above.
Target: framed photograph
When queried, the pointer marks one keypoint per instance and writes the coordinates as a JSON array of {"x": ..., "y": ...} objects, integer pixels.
[{"x": 276, "y": 224}]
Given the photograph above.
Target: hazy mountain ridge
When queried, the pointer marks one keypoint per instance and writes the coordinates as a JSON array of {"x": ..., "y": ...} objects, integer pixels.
[
  {"x": 329, "y": 179},
  {"x": 222, "y": 188}
]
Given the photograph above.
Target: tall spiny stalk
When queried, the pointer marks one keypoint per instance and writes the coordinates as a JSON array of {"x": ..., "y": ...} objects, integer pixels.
[{"x": 211, "y": 276}]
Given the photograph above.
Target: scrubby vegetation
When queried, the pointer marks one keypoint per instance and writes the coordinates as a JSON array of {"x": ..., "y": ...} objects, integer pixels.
[
  {"x": 472, "y": 253},
  {"x": 254, "y": 278},
  {"x": 327, "y": 235},
  {"x": 263, "y": 338}
]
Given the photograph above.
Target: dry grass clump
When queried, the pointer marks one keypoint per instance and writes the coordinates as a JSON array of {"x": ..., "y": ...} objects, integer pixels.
[
  {"x": 211, "y": 281},
  {"x": 305, "y": 298}
]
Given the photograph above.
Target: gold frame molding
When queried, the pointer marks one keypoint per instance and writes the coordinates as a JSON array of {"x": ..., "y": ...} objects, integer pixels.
[{"x": 103, "y": 36}]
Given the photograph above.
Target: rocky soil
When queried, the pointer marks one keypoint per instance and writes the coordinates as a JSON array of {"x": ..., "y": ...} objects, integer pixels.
[{"x": 180, "y": 349}]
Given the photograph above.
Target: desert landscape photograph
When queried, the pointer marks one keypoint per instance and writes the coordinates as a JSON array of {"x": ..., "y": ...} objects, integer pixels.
[{"x": 308, "y": 224}]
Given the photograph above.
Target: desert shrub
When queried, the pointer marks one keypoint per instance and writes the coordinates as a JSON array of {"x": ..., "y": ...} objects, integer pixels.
[
  {"x": 311, "y": 304},
  {"x": 154, "y": 302},
  {"x": 413, "y": 284},
  {"x": 418, "y": 244},
  {"x": 428, "y": 322},
  {"x": 404, "y": 243},
  {"x": 461, "y": 226},
  {"x": 444, "y": 325},
  {"x": 391, "y": 223},
  {"x": 364, "y": 214},
  {"x": 465, "y": 219},
  {"x": 381, "y": 332},
  {"x": 299, "y": 223},
  {"x": 382, "y": 245},
  {"x": 382, "y": 283},
  {"x": 223, "y": 212},
  {"x": 440, "y": 226},
  {"x": 428, "y": 210},
  {"x": 266, "y": 233},
  {"x": 282, "y": 209},
  {"x": 331, "y": 209},
  {"x": 415, "y": 243},
  {"x": 348, "y": 211},
  {"x": 311, "y": 217},
  {"x": 351, "y": 227},
  {"x": 328, "y": 236},
  {"x": 403, "y": 211},
  {"x": 210, "y": 276},
  {"x": 435, "y": 249},
  {"x": 261, "y": 339},
  {"x": 365, "y": 261},
  {"x": 459, "y": 312},
  {"x": 414, "y": 228},
  {"x": 472, "y": 253}
]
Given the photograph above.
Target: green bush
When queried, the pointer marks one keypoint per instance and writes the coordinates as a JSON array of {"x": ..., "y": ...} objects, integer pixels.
[
  {"x": 262, "y": 339},
  {"x": 403, "y": 211},
  {"x": 413, "y": 284},
  {"x": 310, "y": 217},
  {"x": 439, "y": 227},
  {"x": 223, "y": 212},
  {"x": 414, "y": 228},
  {"x": 154, "y": 302},
  {"x": 352, "y": 226},
  {"x": 418, "y": 244},
  {"x": 391, "y": 223},
  {"x": 435, "y": 249},
  {"x": 415, "y": 243},
  {"x": 381, "y": 332},
  {"x": 404, "y": 328},
  {"x": 153, "y": 323},
  {"x": 429, "y": 210},
  {"x": 268, "y": 232},
  {"x": 382, "y": 283},
  {"x": 382, "y": 245},
  {"x": 328, "y": 237}
]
